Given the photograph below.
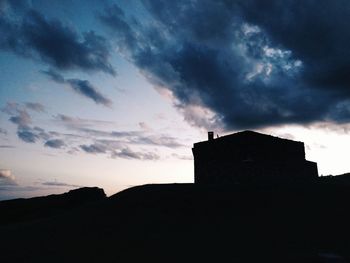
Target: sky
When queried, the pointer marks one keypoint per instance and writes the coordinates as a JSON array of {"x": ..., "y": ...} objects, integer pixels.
[{"x": 114, "y": 93}]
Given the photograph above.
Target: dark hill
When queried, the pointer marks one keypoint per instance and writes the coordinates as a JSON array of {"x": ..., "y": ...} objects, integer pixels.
[
  {"x": 191, "y": 223},
  {"x": 21, "y": 210}
]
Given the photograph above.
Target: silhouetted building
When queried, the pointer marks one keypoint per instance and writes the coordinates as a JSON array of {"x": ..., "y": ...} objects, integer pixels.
[{"x": 249, "y": 157}]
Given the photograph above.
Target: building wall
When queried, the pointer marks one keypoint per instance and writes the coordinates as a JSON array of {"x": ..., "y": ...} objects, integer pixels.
[
  {"x": 231, "y": 172},
  {"x": 251, "y": 158}
]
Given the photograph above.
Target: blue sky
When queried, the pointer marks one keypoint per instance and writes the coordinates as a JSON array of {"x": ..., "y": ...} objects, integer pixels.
[{"x": 114, "y": 93}]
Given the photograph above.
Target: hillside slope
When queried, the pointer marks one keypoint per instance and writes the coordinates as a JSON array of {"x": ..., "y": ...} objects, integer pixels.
[{"x": 186, "y": 222}]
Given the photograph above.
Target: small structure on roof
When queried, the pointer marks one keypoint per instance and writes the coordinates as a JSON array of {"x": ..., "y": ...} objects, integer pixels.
[{"x": 249, "y": 156}]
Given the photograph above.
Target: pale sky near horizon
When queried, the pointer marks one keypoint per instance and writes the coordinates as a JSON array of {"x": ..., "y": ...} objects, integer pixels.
[{"x": 114, "y": 93}]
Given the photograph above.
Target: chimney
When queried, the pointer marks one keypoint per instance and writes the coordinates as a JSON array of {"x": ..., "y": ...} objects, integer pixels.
[{"x": 210, "y": 136}]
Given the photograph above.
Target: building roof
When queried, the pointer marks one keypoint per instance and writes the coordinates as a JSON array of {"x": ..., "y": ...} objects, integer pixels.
[
  {"x": 257, "y": 146},
  {"x": 249, "y": 137}
]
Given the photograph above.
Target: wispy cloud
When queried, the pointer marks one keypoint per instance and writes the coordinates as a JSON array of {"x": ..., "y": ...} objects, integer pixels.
[
  {"x": 7, "y": 146},
  {"x": 79, "y": 123},
  {"x": 182, "y": 157},
  {"x": 23, "y": 120},
  {"x": 137, "y": 137},
  {"x": 55, "y": 143},
  {"x": 94, "y": 148},
  {"x": 59, "y": 184},
  {"x": 127, "y": 153},
  {"x": 85, "y": 137},
  {"x": 35, "y": 106},
  {"x": 117, "y": 149},
  {"x": 82, "y": 87}
]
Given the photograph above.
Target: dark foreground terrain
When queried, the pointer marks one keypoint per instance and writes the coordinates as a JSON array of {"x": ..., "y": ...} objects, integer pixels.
[{"x": 182, "y": 223}]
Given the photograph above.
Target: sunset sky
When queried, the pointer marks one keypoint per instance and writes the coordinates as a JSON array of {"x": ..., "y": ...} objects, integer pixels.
[{"x": 114, "y": 93}]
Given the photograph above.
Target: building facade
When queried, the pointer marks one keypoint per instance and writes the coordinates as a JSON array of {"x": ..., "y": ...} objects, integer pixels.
[{"x": 250, "y": 157}]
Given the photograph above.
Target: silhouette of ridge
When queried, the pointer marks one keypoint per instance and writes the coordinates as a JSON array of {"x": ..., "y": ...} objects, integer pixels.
[
  {"x": 21, "y": 210},
  {"x": 189, "y": 222}
]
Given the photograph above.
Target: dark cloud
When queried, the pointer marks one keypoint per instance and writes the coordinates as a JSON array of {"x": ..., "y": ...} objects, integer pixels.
[
  {"x": 35, "y": 106},
  {"x": 54, "y": 75},
  {"x": 32, "y": 134},
  {"x": 243, "y": 64},
  {"x": 32, "y": 35},
  {"x": 27, "y": 135},
  {"x": 42, "y": 133},
  {"x": 86, "y": 89},
  {"x": 55, "y": 143},
  {"x": 82, "y": 87},
  {"x": 16, "y": 5}
]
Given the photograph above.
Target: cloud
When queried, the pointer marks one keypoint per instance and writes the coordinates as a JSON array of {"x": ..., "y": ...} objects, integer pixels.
[
  {"x": 18, "y": 114},
  {"x": 86, "y": 89},
  {"x": 6, "y": 178},
  {"x": 22, "y": 119},
  {"x": 55, "y": 143},
  {"x": 158, "y": 140},
  {"x": 79, "y": 123},
  {"x": 60, "y": 184},
  {"x": 7, "y": 146},
  {"x": 86, "y": 138},
  {"x": 3, "y": 131},
  {"x": 11, "y": 108},
  {"x": 243, "y": 64},
  {"x": 94, "y": 148},
  {"x": 32, "y": 134},
  {"x": 82, "y": 87},
  {"x": 102, "y": 146},
  {"x": 35, "y": 106},
  {"x": 27, "y": 135},
  {"x": 118, "y": 149},
  {"x": 145, "y": 137},
  {"x": 135, "y": 137},
  {"x": 182, "y": 157},
  {"x": 18, "y": 5},
  {"x": 34, "y": 36},
  {"x": 127, "y": 153}
]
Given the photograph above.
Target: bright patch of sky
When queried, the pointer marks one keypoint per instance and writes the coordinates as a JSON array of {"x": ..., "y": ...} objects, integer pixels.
[{"x": 266, "y": 60}]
